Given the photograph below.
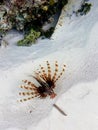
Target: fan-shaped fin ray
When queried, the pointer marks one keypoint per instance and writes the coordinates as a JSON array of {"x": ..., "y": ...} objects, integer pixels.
[
  {"x": 26, "y": 93},
  {"x": 29, "y": 83},
  {"x": 41, "y": 75},
  {"x": 44, "y": 74},
  {"x": 56, "y": 71},
  {"x": 40, "y": 81},
  {"x": 25, "y": 99},
  {"x": 49, "y": 70},
  {"x": 26, "y": 87},
  {"x": 64, "y": 66}
]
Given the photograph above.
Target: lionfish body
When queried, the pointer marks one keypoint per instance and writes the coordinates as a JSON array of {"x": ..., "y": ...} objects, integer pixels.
[{"x": 46, "y": 81}]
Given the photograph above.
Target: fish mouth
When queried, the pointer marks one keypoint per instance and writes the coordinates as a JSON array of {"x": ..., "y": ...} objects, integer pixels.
[{"x": 53, "y": 95}]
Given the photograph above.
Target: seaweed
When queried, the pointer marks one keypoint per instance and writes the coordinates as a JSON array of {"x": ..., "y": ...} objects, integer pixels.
[
  {"x": 29, "y": 39},
  {"x": 84, "y": 9}
]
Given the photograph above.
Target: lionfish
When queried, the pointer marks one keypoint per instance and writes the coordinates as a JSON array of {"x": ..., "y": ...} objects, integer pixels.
[{"x": 46, "y": 81}]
